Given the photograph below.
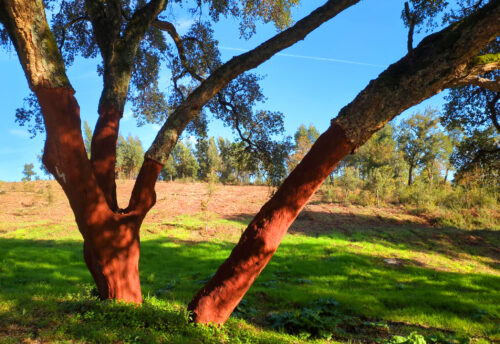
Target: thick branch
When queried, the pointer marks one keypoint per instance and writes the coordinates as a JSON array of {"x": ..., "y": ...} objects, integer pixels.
[
  {"x": 169, "y": 133},
  {"x": 410, "y": 18},
  {"x": 64, "y": 153},
  {"x": 106, "y": 19},
  {"x": 118, "y": 52},
  {"x": 141, "y": 20},
  {"x": 492, "y": 85},
  {"x": 436, "y": 63}
]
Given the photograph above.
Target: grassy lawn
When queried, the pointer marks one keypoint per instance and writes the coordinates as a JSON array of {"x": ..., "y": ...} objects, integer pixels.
[{"x": 365, "y": 279}]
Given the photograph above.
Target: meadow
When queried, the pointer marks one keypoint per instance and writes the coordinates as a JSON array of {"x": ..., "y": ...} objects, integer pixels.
[{"x": 343, "y": 273}]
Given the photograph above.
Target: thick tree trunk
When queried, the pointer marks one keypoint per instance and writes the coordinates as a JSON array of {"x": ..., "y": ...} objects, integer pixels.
[
  {"x": 111, "y": 252},
  {"x": 111, "y": 239},
  {"x": 410, "y": 172},
  {"x": 216, "y": 301}
]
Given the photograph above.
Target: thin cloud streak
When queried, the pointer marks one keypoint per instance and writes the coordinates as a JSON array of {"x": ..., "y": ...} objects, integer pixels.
[{"x": 316, "y": 58}]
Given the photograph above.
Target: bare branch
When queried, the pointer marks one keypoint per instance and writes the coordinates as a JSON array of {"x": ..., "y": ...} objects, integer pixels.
[
  {"x": 170, "y": 29},
  {"x": 410, "y": 17},
  {"x": 67, "y": 25},
  {"x": 236, "y": 118}
]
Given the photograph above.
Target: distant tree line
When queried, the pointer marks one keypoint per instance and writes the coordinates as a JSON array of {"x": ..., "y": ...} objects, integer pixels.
[
  {"x": 425, "y": 160},
  {"x": 423, "y": 149}
]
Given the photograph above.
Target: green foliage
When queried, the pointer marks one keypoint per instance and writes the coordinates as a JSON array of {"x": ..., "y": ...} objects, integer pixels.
[
  {"x": 321, "y": 319},
  {"x": 486, "y": 58},
  {"x": 304, "y": 139},
  {"x": 169, "y": 172},
  {"x": 377, "y": 175},
  {"x": 185, "y": 162},
  {"x": 30, "y": 115},
  {"x": 208, "y": 158},
  {"x": 28, "y": 172},
  {"x": 87, "y": 137},
  {"x": 420, "y": 141},
  {"x": 129, "y": 157},
  {"x": 415, "y": 338},
  {"x": 474, "y": 112}
]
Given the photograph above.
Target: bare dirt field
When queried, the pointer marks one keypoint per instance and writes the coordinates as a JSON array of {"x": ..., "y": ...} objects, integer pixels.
[{"x": 45, "y": 201}]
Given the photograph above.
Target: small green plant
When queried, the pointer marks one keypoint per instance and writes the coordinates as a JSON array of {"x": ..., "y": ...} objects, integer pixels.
[
  {"x": 204, "y": 204},
  {"x": 321, "y": 319},
  {"x": 50, "y": 194},
  {"x": 413, "y": 338},
  {"x": 439, "y": 338}
]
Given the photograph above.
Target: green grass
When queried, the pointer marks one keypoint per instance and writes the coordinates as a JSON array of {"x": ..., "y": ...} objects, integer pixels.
[{"x": 434, "y": 284}]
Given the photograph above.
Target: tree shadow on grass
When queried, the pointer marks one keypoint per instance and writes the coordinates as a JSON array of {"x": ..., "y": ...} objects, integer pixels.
[
  {"x": 396, "y": 233},
  {"x": 45, "y": 290}
]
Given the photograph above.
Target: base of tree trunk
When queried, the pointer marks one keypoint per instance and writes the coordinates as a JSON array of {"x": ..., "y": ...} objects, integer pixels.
[
  {"x": 116, "y": 273},
  {"x": 112, "y": 257}
]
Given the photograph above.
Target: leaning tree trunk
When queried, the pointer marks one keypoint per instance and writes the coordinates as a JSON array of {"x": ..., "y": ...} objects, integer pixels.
[
  {"x": 438, "y": 62},
  {"x": 216, "y": 301}
]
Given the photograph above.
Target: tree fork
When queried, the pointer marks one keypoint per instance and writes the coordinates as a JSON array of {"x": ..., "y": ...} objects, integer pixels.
[{"x": 111, "y": 240}]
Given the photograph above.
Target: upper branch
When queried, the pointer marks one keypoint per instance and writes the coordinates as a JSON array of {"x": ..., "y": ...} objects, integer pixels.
[
  {"x": 411, "y": 19},
  {"x": 177, "y": 121},
  {"x": 236, "y": 118},
  {"x": 438, "y": 62},
  {"x": 492, "y": 85},
  {"x": 142, "y": 19},
  {"x": 67, "y": 25},
  {"x": 106, "y": 18}
]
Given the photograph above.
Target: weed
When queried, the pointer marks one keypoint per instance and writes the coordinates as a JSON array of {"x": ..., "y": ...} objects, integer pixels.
[
  {"x": 50, "y": 194},
  {"x": 320, "y": 319},
  {"x": 438, "y": 338}
]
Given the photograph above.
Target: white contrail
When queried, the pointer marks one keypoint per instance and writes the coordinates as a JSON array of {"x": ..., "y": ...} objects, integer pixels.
[{"x": 314, "y": 58}]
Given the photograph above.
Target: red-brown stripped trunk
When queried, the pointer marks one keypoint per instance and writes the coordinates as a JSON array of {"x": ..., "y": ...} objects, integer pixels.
[
  {"x": 111, "y": 239},
  {"x": 103, "y": 152},
  {"x": 216, "y": 301}
]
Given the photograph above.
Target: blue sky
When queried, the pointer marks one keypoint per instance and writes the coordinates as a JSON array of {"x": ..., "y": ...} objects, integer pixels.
[{"x": 309, "y": 82}]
